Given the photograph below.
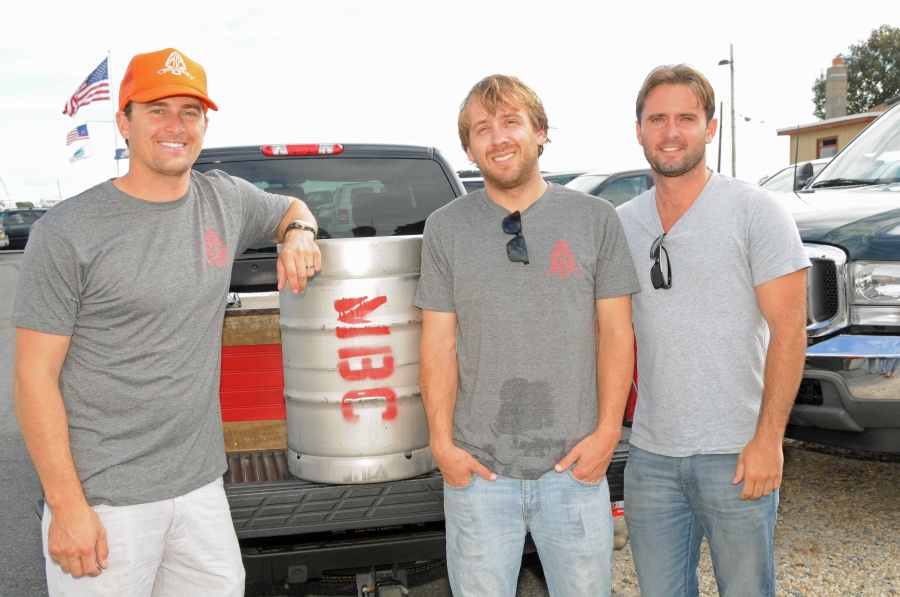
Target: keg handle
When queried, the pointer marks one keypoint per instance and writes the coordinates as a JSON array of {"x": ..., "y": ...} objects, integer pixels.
[{"x": 233, "y": 301}]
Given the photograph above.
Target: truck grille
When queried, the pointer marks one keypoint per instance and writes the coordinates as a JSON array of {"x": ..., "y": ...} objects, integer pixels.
[{"x": 827, "y": 308}]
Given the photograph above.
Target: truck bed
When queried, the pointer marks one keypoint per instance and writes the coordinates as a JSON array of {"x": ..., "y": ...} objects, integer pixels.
[{"x": 267, "y": 501}]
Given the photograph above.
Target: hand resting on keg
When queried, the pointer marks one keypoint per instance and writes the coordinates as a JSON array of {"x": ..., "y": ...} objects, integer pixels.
[{"x": 299, "y": 257}]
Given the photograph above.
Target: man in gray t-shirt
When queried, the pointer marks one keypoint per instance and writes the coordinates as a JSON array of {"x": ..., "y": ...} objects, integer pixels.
[
  {"x": 119, "y": 319},
  {"x": 719, "y": 324},
  {"x": 518, "y": 280}
]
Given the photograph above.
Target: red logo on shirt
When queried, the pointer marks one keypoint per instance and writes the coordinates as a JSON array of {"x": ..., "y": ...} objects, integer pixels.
[
  {"x": 563, "y": 262},
  {"x": 216, "y": 252}
]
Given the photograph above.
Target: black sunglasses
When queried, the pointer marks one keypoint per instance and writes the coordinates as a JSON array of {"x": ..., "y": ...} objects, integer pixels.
[
  {"x": 515, "y": 248},
  {"x": 656, "y": 275}
]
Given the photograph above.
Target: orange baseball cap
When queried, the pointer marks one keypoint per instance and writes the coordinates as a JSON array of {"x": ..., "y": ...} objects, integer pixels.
[{"x": 162, "y": 74}]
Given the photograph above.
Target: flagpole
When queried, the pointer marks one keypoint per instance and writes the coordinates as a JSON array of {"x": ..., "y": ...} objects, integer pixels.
[
  {"x": 5, "y": 190},
  {"x": 112, "y": 94}
]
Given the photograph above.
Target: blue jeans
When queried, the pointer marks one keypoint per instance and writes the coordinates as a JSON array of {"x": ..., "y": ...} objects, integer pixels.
[
  {"x": 570, "y": 522},
  {"x": 672, "y": 503}
]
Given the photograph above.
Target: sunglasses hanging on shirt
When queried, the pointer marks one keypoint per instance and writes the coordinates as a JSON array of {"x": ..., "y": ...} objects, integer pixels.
[
  {"x": 515, "y": 248},
  {"x": 656, "y": 274}
]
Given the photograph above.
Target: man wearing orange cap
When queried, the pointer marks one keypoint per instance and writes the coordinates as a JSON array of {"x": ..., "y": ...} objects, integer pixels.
[{"x": 119, "y": 318}]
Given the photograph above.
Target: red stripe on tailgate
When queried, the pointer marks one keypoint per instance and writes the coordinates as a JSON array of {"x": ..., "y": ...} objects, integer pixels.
[{"x": 252, "y": 383}]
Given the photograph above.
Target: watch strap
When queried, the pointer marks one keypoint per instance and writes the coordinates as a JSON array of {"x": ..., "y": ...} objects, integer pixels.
[{"x": 302, "y": 226}]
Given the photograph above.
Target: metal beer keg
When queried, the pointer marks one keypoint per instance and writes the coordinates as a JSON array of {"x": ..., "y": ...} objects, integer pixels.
[{"x": 350, "y": 347}]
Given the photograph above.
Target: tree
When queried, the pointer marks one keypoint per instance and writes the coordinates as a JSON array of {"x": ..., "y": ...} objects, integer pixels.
[{"x": 873, "y": 72}]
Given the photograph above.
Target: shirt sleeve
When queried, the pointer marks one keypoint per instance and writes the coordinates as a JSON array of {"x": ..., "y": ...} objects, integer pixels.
[
  {"x": 614, "y": 273},
  {"x": 435, "y": 291},
  {"x": 261, "y": 211},
  {"x": 774, "y": 241},
  {"x": 48, "y": 295}
]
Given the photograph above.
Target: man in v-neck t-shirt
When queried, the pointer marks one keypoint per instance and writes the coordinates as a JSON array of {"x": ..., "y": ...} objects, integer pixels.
[{"x": 720, "y": 329}]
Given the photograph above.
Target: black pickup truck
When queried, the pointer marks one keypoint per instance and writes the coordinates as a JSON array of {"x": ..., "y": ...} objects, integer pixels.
[
  {"x": 849, "y": 220},
  {"x": 291, "y": 530}
]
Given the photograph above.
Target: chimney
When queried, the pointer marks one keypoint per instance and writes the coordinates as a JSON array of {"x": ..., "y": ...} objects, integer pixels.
[{"x": 836, "y": 89}]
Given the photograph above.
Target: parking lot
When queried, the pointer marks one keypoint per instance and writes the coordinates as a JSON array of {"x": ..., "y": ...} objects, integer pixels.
[{"x": 837, "y": 533}]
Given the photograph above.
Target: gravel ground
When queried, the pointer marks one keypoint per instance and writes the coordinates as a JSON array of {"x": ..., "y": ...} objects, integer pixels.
[{"x": 838, "y": 530}]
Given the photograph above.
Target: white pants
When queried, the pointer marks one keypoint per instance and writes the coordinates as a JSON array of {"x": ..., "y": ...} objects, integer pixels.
[{"x": 182, "y": 547}]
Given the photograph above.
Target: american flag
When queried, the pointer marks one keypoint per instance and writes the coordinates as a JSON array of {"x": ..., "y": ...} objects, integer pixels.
[
  {"x": 94, "y": 89},
  {"x": 77, "y": 134}
]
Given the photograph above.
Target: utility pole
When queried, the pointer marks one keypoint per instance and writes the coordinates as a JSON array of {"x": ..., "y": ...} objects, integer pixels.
[
  {"x": 730, "y": 62},
  {"x": 719, "y": 165}
]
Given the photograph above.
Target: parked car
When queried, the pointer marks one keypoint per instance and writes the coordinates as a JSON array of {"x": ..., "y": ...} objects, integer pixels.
[
  {"x": 793, "y": 177},
  {"x": 17, "y": 224},
  {"x": 849, "y": 221},
  {"x": 562, "y": 177},
  {"x": 473, "y": 183},
  {"x": 617, "y": 188}
]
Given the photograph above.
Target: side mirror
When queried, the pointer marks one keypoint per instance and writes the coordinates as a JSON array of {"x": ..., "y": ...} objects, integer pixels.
[{"x": 802, "y": 176}]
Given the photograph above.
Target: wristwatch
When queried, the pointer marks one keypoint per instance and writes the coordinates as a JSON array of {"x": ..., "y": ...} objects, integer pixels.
[{"x": 302, "y": 226}]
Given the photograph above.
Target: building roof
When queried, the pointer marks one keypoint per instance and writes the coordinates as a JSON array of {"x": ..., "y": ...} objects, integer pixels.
[{"x": 865, "y": 117}]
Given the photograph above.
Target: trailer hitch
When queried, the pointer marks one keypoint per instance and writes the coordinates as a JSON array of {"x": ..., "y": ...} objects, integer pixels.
[{"x": 385, "y": 583}]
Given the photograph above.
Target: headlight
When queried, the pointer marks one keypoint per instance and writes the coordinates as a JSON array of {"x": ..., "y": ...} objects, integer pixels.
[
  {"x": 876, "y": 293},
  {"x": 876, "y": 283}
]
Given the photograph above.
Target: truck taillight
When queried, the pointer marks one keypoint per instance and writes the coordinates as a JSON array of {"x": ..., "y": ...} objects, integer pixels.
[
  {"x": 343, "y": 216},
  {"x": 302, "y": 149}
]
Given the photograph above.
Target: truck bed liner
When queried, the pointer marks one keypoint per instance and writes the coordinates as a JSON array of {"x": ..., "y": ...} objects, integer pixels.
[{"x": 266, "y": 500}]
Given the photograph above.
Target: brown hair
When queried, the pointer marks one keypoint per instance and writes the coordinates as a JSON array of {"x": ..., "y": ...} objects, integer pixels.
[
  {"x": 678, "y": 74},
  {"x": 495, "y": 92}
]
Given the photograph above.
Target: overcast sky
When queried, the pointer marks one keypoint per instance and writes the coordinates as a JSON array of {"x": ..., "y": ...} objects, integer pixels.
[{"x": 396, "y": 72}]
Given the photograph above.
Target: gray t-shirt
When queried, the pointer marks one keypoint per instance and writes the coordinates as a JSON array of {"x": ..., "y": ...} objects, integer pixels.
[
  {"x": 702, "y": 343},
  {"x": 141, "y": 287},
  {"x": 526, "y": 339}
]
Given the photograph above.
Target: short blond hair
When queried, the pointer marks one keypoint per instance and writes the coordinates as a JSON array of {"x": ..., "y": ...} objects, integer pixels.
[{"x": 495, "y": 92}]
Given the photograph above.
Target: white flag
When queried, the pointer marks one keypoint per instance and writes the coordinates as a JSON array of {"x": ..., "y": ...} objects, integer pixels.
[{"x": 82, "y": 153}]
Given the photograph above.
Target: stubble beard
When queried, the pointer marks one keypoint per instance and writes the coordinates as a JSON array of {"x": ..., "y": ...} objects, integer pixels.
[
  {"x": 695, "y": 155},
  {"x": 514, "y": 179},
  {"x": 174, "y": 168},
  {"x": 170, "y": 171}
]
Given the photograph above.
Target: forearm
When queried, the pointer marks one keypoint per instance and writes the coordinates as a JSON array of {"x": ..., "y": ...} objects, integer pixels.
[
  {"x": 297, "y": 210},
  {"x": 615, "y": 362},
  {"x": 44, "y": 424},
  {"x": 615, "y": 367},
  {"x": 439, "y": 382},
  {"x": 784, "y": 370}
]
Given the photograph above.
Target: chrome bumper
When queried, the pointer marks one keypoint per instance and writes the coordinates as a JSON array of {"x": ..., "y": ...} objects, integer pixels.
[
  {"x": 857, "y": 347},
  {"x": 845, "y": 387}
]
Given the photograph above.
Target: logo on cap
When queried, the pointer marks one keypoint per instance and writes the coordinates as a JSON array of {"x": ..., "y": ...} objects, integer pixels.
[{"x": 175, "y": 65}]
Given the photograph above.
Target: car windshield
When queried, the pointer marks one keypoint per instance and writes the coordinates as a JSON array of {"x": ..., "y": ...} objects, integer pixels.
[
  {"x": 873, "y": 157},
  {"x": 586, "y": 182}
]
